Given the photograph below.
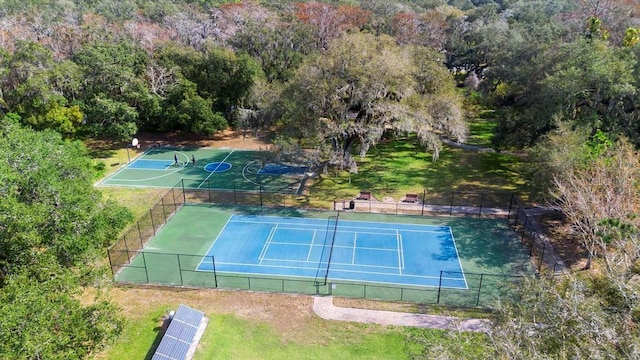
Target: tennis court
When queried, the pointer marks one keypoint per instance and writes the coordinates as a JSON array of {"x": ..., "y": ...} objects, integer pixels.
[
  {"x": 213, "y": 168},
  {"x": 455, "y": 261},
  {"x": 336, "y": 250}
]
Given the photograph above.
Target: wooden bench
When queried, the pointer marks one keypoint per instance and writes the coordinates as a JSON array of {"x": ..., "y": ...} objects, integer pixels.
[
  {"x": 412, "y": 198},
  {"x": 364, "y": 195}
]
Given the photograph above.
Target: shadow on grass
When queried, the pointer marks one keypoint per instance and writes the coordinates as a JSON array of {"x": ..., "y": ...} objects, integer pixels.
[{"x": 156, "y": 342}]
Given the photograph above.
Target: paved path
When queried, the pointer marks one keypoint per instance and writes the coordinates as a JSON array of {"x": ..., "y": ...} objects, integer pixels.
[{"x": 323, "y": 307}]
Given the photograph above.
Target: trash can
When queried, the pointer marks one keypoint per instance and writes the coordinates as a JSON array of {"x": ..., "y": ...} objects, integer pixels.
[{"x": 352, "y": 205}]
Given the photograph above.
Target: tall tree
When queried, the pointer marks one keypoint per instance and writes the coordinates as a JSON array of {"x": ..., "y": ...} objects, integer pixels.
[
  {"x": 115, "y": 89},
  {"x": 361, "y": 87},
  {"x": 279, "y": 48},
  {"x": 53, "y": 228},
  {"x": 49, "y": 203},
  {"x": 328, "y": 21}
]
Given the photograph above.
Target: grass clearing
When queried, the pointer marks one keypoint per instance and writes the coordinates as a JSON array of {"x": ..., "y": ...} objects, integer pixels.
[
  {"x": 249, "y": 325},
  {"x": 481, "y": 128},
  {"x": 398, "y": 167}
]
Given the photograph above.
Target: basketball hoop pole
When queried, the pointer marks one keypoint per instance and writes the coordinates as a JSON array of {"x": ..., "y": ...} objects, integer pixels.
[{"x": 134, "y": 143}]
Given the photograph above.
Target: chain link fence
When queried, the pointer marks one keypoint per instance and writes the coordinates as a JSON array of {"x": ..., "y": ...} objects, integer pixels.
[{"x": 147, "y": 267}]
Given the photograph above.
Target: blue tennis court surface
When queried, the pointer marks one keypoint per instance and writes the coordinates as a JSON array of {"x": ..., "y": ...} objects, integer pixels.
[
  {"x": 390, "y": 253},
  {"x": 280, "y": 169}
]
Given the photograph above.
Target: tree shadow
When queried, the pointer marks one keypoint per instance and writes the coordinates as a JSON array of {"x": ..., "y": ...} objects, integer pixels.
[{"x": 160, "y": 333}]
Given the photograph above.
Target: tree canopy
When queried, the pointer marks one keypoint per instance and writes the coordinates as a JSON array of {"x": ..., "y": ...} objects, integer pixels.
[
  {"x": 54, "y": 225},
  {"x": 344, "y": 100}
]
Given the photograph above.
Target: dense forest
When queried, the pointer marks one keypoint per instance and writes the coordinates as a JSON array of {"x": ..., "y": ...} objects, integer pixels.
[{"x": 328, "y": 80}]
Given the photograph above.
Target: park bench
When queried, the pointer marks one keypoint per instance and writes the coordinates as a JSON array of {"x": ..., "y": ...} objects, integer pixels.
[
  {"x": 412, "y": 198},
  {"x": 364, "y": 195}
]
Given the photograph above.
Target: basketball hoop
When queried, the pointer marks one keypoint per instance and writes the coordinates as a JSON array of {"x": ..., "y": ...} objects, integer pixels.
[{"x": 135, "y": 143}]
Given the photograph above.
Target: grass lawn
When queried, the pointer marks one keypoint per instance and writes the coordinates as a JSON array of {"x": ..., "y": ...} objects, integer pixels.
[
  {"x": 401, "y": 166},
  {"x": 245, "y": 325}
]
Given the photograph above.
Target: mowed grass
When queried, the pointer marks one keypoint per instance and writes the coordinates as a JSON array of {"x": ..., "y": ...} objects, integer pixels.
[
  {"x": 481, "y": 128},
  {"x": 245, "y": 325},
  {"x": 402, "y": 166}
]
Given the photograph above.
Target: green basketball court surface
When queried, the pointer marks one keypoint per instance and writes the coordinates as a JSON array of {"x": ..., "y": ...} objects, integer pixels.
[{"x": 205, "y": 168}]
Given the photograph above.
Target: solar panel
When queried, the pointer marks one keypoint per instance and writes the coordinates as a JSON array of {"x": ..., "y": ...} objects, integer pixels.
[{"x": 181, "y": 335}]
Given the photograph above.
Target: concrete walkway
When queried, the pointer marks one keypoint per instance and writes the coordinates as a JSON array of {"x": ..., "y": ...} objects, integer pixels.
[{"x": 323, "y": 307}]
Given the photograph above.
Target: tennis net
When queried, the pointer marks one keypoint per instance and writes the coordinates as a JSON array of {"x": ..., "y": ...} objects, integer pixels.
[{"x": 327, "y": 250}]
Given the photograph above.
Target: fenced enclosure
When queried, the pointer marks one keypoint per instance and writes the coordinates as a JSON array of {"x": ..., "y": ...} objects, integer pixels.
[{"x": 147, "y": 266}]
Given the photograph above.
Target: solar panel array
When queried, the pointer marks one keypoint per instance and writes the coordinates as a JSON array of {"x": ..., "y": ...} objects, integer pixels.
[{"x": 180, "y": 334}]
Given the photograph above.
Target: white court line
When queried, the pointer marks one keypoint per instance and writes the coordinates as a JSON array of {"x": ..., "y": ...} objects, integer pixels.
[
  {"x": 402, "y": 249},
  {"x": 267, "y": 243},
  {"x": 214, "y": 241},
  {"x": 336, "y": 270},
  {"x": 170, "y": 172},
  {"x": 355, "y": 239},
  {"x": 349, "y": 228},
  {"x": 313, "y": 240},
  {"x": 100, "y": 183},
  {"x": 458, "y": 255},
  {"x": 399, "y": 249},
  {"x": 214, "y": 170}
]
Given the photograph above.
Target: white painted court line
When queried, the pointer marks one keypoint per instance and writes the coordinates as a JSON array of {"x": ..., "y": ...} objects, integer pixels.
[
  {"x": 400, "y": 252},
  {"x": 313, "y": 240},
  {"x": 267, "y": 243},
  {"x": 100, "y": 183},
  {"x": 355, "y": 239},
  {"x": 214, "y": 170},
  {"x": 466, "y": 286},
  {"x": 214, "y": 241}
]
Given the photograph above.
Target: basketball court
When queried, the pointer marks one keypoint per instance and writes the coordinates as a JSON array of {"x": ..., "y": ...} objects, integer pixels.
[{"x": 205, "y": 168}]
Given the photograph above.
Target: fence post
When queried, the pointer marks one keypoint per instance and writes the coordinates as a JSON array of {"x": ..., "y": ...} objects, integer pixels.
[
  {"x": 139, "y": 236},
  {"x": 510, "y": 205},
  {"x": 517, "y": 216},
  {"x": 235, "y": 198},
  {"x": 424, "y": 194},
  {"x": 544, "y": 246},
  {"x": 173, "y": 195},
  {"x": 153, "y": 225},
  {"x": 439, "y": 287},
  {"x": 164, "y": 212},
  {"x": 479, "y": 287},
  {"x": 533, "y": 240},
  {"x": 110, "y": 262},
  {"x": 481, "y": 200},
  {"x": 451, "y": 205},
  {"x": 209, "y": 188},
  {"x": 144, "y": 263},
  {"x": 260, "y": 189},
  {"x": 184, "y": 193},
  {"x": 126, "y": 247},
  {"x": 180, "y": 270},
  {"x": 215, "y": 276}
]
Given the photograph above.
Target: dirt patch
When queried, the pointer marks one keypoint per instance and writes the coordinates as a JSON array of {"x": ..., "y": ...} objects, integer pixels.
[
  {"x": 227, "y": 138},
  {"x": 288, "y": 314},
  {"x": 566, "y": 245}
]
